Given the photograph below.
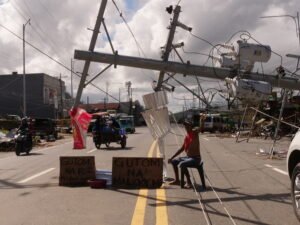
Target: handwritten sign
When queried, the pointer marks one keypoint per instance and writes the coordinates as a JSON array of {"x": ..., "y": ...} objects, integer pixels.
[
  {"x": 137, "y": 172},
  {"x": 76, "y": 170}
]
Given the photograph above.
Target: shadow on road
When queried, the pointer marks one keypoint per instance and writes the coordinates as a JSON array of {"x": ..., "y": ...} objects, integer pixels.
[
  {"x": 194, "y": 203},
  {"x": 111, "y": 148},
  {"x": 30, "y": 154}
]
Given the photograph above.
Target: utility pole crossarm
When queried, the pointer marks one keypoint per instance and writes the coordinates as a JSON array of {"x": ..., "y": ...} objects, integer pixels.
[{"x": 187, "y": 69}]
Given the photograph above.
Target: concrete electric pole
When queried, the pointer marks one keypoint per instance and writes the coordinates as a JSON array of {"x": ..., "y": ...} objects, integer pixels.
[
  {"x": 72, "y": 65},
  {"x": 91, "y": 49},
  {"x": 168, "y": 47},
  {"x": 186, "y": 69},
  {"x": 24, "y": 77}
]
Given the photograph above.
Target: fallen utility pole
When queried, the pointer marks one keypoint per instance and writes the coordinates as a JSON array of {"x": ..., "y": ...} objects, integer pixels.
[
  {"x": 185, "y": 69},
  {"x": 91, "y": 49}
]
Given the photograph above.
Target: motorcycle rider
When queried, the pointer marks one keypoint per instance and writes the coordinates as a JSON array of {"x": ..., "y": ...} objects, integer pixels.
[
  {"x": 98, "y": 125},
  {"x": 115, "y": 126},
  {"x": 24, "y": 129}
]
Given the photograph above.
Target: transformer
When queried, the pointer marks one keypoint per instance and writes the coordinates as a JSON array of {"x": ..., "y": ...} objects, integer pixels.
[
  {"x": 246, "y": 56},
  {"x": 249, "y": 91}
]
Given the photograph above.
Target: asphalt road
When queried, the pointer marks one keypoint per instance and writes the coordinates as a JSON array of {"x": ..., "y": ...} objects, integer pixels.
[{"x": 243, "y": 187}]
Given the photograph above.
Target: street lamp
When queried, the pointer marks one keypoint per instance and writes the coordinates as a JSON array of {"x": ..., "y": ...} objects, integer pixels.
[
  {"x": 296, "y": 20},
  {"x": 24, "y": 79},
  {"x": 129, "y": 90},
  {"x": 72, "y": 65},
  {"x": 61, "y": 95}
]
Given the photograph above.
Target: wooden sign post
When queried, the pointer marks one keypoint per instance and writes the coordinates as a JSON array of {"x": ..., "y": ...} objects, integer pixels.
[
  {"x": 76, "y": 170},
  {"x": 137, "y": 172}
]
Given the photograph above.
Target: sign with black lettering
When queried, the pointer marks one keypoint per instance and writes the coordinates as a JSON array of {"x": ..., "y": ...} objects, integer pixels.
[
  {"x": 137, "y": 172},
  {"x": 76, "y": 170}
]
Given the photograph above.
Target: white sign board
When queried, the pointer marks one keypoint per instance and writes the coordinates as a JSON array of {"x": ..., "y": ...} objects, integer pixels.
[
  {"x": 155, "y": 100},
  {"x": 157, "y": 121}
]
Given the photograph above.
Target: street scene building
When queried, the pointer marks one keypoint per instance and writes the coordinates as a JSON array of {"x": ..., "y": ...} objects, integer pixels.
[{"x": 45, "y": 95}]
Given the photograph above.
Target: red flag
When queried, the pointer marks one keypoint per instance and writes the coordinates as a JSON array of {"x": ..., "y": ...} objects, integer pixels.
[{"x": 80, "y": 122}]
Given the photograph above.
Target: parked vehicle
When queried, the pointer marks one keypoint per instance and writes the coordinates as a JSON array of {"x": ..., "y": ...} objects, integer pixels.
[
  {"x": 228, "y": 124},
  {"x": 44, "y": 127},
  {"x": 213, "y": 123},
  {"x": 127, "y": 123},
  {"x": 23, "y": 142},
  {"x": 293, "y": 167},
  {"x": 13, "y": 117}
]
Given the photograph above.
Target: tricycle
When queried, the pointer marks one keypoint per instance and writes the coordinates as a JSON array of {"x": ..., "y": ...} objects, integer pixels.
[
  {"x": 104, "y": 137},
  {"x": 106, "y": 131}
]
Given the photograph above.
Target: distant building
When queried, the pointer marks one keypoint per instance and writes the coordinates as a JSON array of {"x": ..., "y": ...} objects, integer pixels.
[
  {"x": 45, "y": 95},
  {"x": 100, "y": 107},
  {"x": 129, "y": 108}
]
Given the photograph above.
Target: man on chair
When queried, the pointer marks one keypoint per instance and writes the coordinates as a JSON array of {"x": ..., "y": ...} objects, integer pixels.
[{"x": 191, "y": 146}]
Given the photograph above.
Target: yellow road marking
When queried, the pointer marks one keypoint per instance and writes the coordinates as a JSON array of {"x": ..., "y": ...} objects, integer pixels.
[
  {"x": 150, "y": 153},
  {"x": 140, "y": 206},
  {"x": 138, "y": 217},
  {"x": 161, "y": 207}
]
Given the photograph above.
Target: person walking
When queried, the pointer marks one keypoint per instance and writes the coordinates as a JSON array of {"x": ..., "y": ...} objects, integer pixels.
[{"x": 191, "y": 147}]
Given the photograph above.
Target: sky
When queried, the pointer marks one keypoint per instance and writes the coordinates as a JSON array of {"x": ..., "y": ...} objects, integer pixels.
[{"x": 59, "y": 27}]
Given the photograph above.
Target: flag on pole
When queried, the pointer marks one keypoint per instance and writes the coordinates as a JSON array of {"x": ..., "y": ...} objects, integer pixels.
[{"x": 80, "y": 120}]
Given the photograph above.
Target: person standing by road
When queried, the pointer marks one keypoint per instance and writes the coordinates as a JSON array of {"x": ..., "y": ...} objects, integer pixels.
[{"x": 191, "y": 146}]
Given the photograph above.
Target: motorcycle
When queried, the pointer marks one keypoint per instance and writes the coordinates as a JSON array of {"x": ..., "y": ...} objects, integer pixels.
[{"x": 23, "y": 143}]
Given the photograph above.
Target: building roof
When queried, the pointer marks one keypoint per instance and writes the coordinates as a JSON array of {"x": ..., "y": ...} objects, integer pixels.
[{"x": 100, "y": 106}]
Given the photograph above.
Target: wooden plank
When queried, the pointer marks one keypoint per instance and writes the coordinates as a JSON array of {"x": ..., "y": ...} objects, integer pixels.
[
  {"x": 76, "y": 170},
  {"x": 137, "y": 172}
]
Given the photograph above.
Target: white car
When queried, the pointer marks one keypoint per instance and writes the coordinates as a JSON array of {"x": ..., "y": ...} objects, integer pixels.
[{"x": 293, "y": 167}]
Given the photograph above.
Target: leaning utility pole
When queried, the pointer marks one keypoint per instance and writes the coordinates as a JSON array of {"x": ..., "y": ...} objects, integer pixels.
[
  {"x": 91, "y": 49},
  {"x": 168, "y": 47}
]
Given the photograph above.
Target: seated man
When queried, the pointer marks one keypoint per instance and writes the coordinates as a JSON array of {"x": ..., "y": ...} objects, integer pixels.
[{"x": 191, "y": 146}]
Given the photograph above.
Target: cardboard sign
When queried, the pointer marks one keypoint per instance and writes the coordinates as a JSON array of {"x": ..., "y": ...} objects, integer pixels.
[
  {"x": 76, "y": 170},
  {"x": 137, "y": 172}
]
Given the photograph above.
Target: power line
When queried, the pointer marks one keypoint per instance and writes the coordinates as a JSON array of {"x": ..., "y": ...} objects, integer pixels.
[
  {"x": 18, "y": 10},
  {"x": 132, "y": 34},
  {"x": 50, "y": 57},
  {"x": 196, "y": 53},
  {"x": 127, "y": 25},
  {"x": 240, "y": 31},
  {"x": 202, "y": 39},
  {"x": 39, "y": 31},
  {"x": 47, "y": 11},
  {"x": 36, "y": 48}
]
